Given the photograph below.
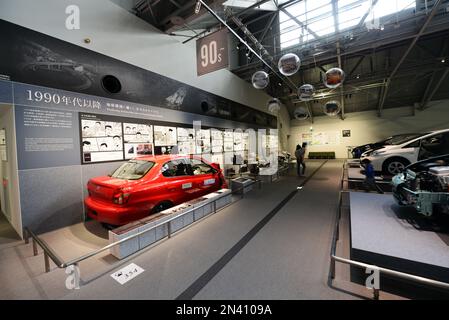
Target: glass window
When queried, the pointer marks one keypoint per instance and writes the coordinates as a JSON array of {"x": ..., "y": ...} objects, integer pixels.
[
  {"x": 318, "y": 17},
  {"x": 133, "y": 170},
  {"x": 199, "y": 167},
  {"x": 414, "y": 144},
  {"x": 176, "y": 168}
]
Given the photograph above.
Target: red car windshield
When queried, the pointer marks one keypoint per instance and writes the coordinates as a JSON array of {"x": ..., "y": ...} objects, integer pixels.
[{"x": 133, "y": 170}]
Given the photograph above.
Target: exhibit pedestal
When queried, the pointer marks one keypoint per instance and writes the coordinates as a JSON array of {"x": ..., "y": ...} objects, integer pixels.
[
  {"x": 165, "y": 223},
  {"x": 395, "y": 237},
  {"x": 268, "y": 178},
  {"x": 241, "y": 185},
  {"x": 126, "y": 248}
]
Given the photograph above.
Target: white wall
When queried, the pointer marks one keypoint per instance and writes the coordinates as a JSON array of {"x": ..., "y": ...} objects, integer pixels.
[
  {"x": 367, "y": 127},
  {"x": 10, "y": 204},
  {"x": 119, "y": 34}
]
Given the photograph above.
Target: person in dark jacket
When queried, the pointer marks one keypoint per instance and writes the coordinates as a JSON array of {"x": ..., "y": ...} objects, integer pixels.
[
  {"x": 370, "y": 179},
  {"x": 300, "y": 154}
]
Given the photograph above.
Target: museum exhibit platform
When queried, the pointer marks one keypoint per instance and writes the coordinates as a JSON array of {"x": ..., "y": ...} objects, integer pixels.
[
  {"x": 355, "y": 177},
  {"x": 387, "y": 235}
]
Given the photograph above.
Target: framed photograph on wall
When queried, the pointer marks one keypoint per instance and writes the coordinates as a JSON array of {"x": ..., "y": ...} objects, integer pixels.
[{"x": 346, "y": 133}]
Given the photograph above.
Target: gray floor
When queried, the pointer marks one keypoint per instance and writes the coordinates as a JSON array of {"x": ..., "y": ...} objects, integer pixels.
[
  {"x": 381, "y": 226},
  {"x": 287, "y": 259}
]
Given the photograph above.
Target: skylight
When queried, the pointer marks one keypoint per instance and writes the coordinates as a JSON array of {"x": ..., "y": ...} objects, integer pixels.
[{"x": 316, "y": 17}]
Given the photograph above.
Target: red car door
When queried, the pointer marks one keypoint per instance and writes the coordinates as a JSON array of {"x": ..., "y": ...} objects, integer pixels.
[
  {"x": 206, "y": 178},
  {"x": 179, "y": 184}
]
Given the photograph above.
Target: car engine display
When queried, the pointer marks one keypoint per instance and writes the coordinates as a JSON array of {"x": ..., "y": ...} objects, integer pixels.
[{"x": 425, "y": 186}]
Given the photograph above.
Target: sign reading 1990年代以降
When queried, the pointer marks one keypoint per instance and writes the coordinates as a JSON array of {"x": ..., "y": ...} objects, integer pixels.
[{"x": 212, "y": 52}]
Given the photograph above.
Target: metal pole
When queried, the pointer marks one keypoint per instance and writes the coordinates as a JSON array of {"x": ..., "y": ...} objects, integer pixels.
[
  {"x": 415, "y": 39},
  {"x": 332, "y": 269},
  {"x": 169, "y": 227},
  {"x": 35, "y": 252},
  {"x": 26, "y": 235},
  {"x": 47, "y": 262},
  {"x": 289, "y": 83}
]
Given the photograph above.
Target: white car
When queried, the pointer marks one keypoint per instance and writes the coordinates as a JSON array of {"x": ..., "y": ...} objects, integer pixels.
[{"x": 399, "y": 153}]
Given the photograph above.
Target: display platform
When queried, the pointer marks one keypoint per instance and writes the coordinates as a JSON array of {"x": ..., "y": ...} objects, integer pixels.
[
  {"x": 161, "y": 225},
  {"x": 356, "y": 177},
  {"x": 388, "y": 235}
]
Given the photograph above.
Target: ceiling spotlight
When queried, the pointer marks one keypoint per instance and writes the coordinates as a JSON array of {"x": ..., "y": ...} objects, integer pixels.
[
  {"x": 279, "y": 84},
  {"x": 443, "y": 60},
  {"x": 358, "y": 76}
]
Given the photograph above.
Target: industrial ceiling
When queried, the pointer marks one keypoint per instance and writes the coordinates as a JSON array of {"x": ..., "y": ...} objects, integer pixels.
[{"x": 391, "y": 58}]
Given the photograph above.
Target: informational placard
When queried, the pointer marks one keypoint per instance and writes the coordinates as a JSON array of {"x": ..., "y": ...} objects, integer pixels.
[
  {"x": 3, "y": 155},
  {"x": 127, "y": 273},
  {"x": 186, "y": 141},
  {"x": 228, "y": 141},
  {"x": 203, "y": 144},
  {"x": 138, "y": 139},
  {"x": 217, "y": 141},
  {"x": 46, "y": 138},
  {"x": 212, "y": 52},
  {"x": 101, "y": 138},
  {"x": 165, "y": 136},
  {"x": 238, "y": 140},
  {"x": 325, "y": 138}
]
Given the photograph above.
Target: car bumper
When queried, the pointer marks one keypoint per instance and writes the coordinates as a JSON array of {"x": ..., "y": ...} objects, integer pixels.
[{"x": 111, "y": 213}]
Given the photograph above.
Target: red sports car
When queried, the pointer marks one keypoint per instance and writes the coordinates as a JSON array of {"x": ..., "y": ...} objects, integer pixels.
[{"x": 150, "y": 184}]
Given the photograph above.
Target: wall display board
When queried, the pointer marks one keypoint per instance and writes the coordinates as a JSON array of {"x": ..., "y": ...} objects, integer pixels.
[
  {"x": 325, "y": 138},
  {"x": 238, "y": 140},
  {"x": 217, "y": 141},
  {"x": 228, "y": 141},
  {"x": 165, "y": 136},
  {"x": 3, "y": 154},
  {"x": 218, "y": 158},
  {"x": 46, "y": 138},
  {"x": 307, "y": 138},
  {"x": 203, "y": 143},
  {"x": 186, "y": 141},
  {"x": 101, "y": 138},
  {"x": 245, "y": 141},
  {"x": 138, "y": 139},
  {"x": 38, "y": 59}
]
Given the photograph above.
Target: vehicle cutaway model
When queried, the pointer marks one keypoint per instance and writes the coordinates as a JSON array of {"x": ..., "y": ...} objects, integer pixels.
[
  {"x": 424, "y": 185},
  {"x": 150, "y": 184}
]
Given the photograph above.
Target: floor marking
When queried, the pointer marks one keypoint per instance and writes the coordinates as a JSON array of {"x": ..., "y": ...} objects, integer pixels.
[
  {"x": 207, "y": 276},
  {"x": 127, "y": 273}
]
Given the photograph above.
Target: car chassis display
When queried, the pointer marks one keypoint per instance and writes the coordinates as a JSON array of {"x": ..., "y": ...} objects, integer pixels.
[{"x": 424, "y": 185}]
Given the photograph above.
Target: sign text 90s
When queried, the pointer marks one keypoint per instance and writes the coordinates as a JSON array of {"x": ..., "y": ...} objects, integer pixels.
[{"x": 212, "y": 52}]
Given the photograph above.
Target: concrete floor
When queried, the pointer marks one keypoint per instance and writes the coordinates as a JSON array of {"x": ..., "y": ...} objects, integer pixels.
[{"x": 288, "y": 258}]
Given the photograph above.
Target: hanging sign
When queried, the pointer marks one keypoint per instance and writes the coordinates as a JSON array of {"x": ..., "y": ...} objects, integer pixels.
[{"x": 212, "y": 52}]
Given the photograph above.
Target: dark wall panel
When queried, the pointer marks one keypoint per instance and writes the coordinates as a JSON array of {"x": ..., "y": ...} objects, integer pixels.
[{"x": 35, "y": 58}]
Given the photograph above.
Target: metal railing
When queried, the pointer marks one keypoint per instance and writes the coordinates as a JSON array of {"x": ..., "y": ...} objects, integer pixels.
[
  {"x": 390, "y": 272},
  {"x": 60, "y": 263}
]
